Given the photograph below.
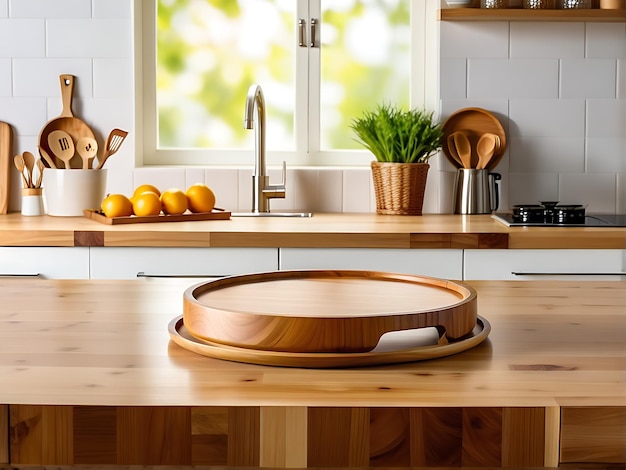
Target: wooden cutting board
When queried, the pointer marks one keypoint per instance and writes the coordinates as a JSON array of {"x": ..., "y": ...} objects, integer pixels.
[{"x": 6, "y": 137}]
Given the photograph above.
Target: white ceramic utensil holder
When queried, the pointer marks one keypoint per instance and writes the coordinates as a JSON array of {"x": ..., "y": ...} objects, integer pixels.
[
  {"x": 69, "y": 192},
  {"x": 32, "y": 201}
]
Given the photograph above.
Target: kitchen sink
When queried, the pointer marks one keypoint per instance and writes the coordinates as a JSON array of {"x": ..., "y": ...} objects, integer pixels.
[{"x": 271, "y": 214}]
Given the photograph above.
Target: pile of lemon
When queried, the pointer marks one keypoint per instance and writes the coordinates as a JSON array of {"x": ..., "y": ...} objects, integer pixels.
[{"x": 149, "y": 200}]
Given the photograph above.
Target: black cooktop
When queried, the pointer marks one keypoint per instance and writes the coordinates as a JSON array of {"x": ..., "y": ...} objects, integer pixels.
[{"x": 590, "y": 220}]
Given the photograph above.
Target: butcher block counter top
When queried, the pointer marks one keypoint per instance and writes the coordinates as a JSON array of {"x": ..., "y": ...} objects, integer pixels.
[
  {"x": 106, "y": 343},
  {"x": 90, "y": 377},
  {"x": 321, "y": 230}
]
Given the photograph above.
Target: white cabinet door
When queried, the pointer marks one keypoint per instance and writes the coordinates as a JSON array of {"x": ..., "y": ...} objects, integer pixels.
[
  {"x": 442, "y": 263},
  {"x": 45, "y": 262},
  {"x": 544, "y": 264},
  {"x": 133, "y": 262}
]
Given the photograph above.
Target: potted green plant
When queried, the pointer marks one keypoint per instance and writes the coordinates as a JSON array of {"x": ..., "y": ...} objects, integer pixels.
[{"x": 402, "y": 141}]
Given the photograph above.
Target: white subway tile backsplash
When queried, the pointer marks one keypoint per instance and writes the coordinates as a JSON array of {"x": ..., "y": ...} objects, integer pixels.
[
  {"x": 113, "y": 78},
  {"x": 537, "y": 40},
  {"x": 4, "y": 8},
  {"x": 606, "y": 155},
  {"x": 162, "y": 178},
  {"x": 40, "y": 77},
  {"x": 26, "y": 115},
  {"x": 244, "y": 194},
  {"x": 588, "y": 78},
  {"x": 547, "y": 154},
  {"x": 50, "y": 8},
  {"x": 621, "y": 79},
  {"x": 97, "y": 38},
  {"x": 112, "y": 8},
  {"x": 453, "y": 79},
  {"x": 330, "y": 198},
  {"x": 305, "y": 186},
  {"x": 597, "y": 191},
  {"x": 621, "y": 193},
  {"x": 474, "y": 40},
  {"x": 547, "y": 118},
  {"x": 6, "y": 84},
  {"x": 358, "y": 197},
  {"x": 531, "y": 188},
  {"x": 515, "y": 78},
  {"x": 606, "y": 40},
  {"x": 225, "y": 184},
  {"x": 22, "y": 38},
  {"x": 606, "y": 118}
]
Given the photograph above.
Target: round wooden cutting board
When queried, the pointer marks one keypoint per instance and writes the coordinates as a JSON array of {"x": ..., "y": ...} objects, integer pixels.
[{"x": 319, "y": 311}]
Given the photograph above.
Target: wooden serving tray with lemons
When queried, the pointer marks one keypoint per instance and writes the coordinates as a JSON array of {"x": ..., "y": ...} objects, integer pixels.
[{"x": 149, "y": 204}]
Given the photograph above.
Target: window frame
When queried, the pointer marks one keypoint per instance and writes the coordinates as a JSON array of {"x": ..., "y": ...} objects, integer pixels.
[{"x": 424, "y": 92}]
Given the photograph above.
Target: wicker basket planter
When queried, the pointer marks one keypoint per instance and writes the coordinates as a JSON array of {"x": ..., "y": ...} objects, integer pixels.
[{"x": 399, "y": 187}]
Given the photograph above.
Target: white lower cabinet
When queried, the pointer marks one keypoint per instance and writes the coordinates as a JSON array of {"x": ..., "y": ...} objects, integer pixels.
[
  {"x": 544, "y": 264},
  {"x": 134, "y": 262},
  {"x": 44, "y": 262},
  {"x": 443, "y": 263}
]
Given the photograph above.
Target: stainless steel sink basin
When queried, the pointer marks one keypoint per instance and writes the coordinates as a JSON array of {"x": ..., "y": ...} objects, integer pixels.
[{"x": 271, "y": 214}]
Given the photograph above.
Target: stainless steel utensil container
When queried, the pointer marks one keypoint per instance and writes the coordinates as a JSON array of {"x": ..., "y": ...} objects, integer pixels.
[{"x": 476, "y": 191}]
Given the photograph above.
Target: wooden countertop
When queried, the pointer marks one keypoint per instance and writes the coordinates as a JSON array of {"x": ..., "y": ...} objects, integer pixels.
[
  {"x": 321, "y": 230},
  {"x": 106, "y": 343}
]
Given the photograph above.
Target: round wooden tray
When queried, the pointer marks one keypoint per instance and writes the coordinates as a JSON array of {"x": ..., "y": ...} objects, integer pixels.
[
  {"x": 475, "y": 122},
  {"x": 324, "y": 311},
  {"x": 386, "y": 355}
]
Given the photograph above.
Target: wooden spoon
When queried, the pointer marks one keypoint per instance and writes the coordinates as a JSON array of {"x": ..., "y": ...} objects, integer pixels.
[
  {"x": 62, "y": 146},
  {"x": 46, "y": 156},
  {"x": 41, "y": 167},
  {"x": 486, "y": 148},
  {"x": 29, "y": 164},
  {"x": 87, "y": 148},
  {"x": 464, "y": 148},
  {"x": 453, "y": 151},
  {"x": 112, "y": 145},
  {"x": 19, "y": 164}
]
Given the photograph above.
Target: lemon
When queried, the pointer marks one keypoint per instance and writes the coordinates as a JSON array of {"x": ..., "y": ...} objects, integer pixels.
[
  {"x": 142, "y": 188},
  {"x": 200, "y": 197},
  {"x": 117, "y": 205},
  {"x": 174, "y": 201},
  {"x": 146, "y": 203}
]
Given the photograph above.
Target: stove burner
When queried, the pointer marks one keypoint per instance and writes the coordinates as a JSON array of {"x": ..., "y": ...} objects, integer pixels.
[{"x": 549, "y": 212}]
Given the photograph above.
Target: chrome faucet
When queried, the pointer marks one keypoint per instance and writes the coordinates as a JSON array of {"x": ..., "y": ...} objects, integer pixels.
[{"x": 262, "y": 191}]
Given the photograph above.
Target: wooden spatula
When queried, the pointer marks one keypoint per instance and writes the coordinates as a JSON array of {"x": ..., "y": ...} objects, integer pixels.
[
  {"x": 62, "y": 146},
  {"x": 486, "y": 148},
  {"x": 112, "y": 145},
  {"x": 87, "y": 148}
]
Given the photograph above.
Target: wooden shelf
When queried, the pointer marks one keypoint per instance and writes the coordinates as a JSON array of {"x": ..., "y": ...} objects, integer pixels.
[{"x": 518, "y": 14}]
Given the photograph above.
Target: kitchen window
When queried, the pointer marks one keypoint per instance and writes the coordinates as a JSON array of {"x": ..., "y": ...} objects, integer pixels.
[{"x": 320, "y": 64}]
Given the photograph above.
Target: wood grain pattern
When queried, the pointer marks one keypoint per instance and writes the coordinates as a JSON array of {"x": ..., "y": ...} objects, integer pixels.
[
  {"x": 283, "y": 437},
  {"x": 436, "y": 437},
  {"x": 4, "y": 434},
  {"x": 6, "y": 156},
  {"x": 338, "y": 437},
  {"x": 321, "y": 230},
  {"x": 95, "y": 435},
  {"x": 482, "y": 437},
  {"x": 161, "y": 218},
  {"x": 324, "y": 311},
  {"x": 552, "y": 435},
  {"x": 593, "y": 434},
  {"x": 523, "y": 437}
]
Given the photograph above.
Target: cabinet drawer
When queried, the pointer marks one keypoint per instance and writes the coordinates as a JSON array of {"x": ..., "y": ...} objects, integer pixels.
[
  {"x": 593, "y": 435},
  {"x": 544, "y": 264},
  {"x": 131, "y": 262},
  {"x": 45, "y": 262},
  {"x": 442, "y": 263}
]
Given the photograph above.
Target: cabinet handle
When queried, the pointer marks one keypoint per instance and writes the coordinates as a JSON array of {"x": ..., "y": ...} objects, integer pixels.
[
  {"x": 302, "y": 32},
  {"x": 20, "y": 275},
  {"x": 177, "y": 276},
  {"x": 524, "y": 273},
  {"x": 313, "y": 32}
]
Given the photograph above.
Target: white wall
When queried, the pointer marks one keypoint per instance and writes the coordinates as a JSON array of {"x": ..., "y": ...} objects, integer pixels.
[{"x": 559, "y": 89}]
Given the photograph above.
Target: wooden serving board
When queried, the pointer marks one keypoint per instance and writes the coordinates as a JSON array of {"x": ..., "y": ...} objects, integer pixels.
[
  {"x": 475, "y": 122},
  {"x": 186, "y": 217},
  {"x": 6, "y": 137},
  {"x": 402, "y": 354},
  {"x": 324, "y": 311}
]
